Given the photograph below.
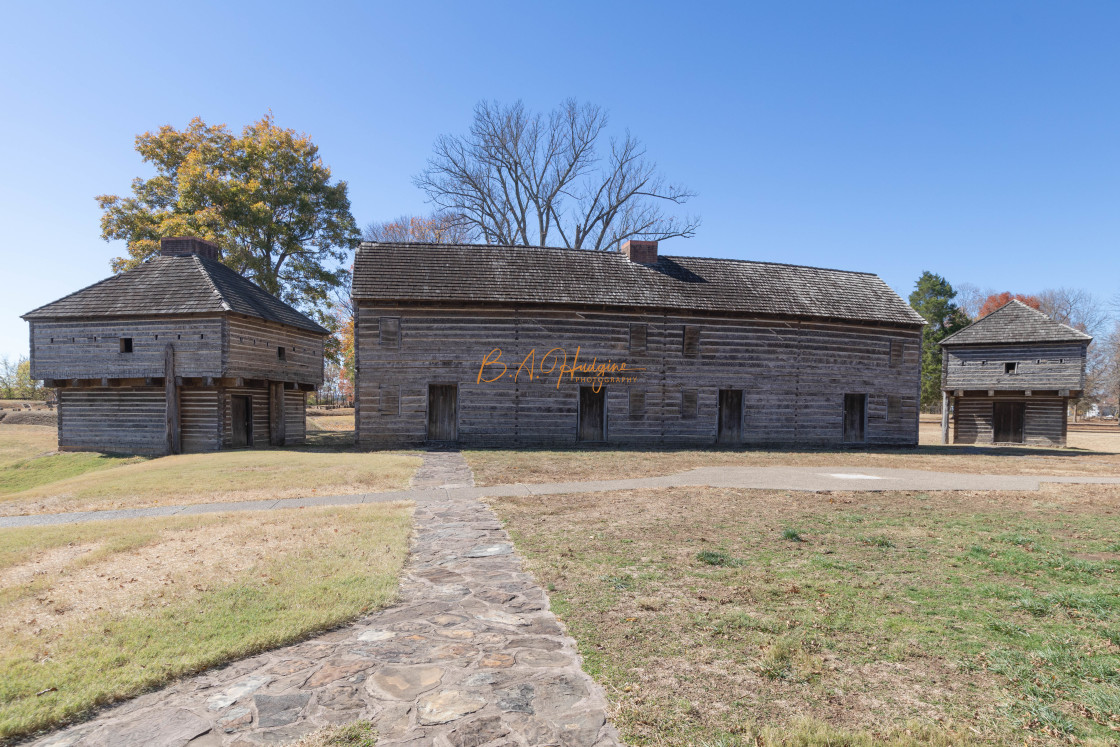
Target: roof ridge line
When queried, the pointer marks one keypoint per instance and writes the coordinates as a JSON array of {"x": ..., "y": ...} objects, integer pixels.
[
  {"x": 605, "y": 252},
  {"x": 210, "y": 281}
]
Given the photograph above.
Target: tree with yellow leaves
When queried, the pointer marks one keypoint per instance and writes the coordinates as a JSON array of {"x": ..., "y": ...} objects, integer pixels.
[{"x": 264, "y": 195}]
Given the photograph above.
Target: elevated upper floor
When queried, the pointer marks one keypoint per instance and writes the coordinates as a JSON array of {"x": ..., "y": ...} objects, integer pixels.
[
  {"x": 219, "y": 324},
  {"x": 1015, "y": 348}
]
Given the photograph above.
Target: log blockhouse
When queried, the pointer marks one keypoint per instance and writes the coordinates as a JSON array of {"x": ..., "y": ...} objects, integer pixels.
[
  {"x": 504, "y": 346},
  {"x": 1009, "y": 378},
  {"x": 179, "y": 354}
]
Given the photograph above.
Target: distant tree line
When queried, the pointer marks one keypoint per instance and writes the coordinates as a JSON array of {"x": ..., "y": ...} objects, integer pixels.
[{"x": 16, "y": 381}]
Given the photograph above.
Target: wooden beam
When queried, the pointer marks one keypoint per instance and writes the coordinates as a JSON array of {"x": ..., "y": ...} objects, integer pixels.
[
  {"x": 276, "y": 426},
  {"x": 944, "y": 417},
  {"x": 171, "y": 395}
]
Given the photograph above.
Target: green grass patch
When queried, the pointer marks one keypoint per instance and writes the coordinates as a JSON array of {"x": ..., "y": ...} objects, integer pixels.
[
  {"x": 996, "y": 615},
  {"x": 28, "y": 459},
  {"x": 345, "y": 564},
  {"x": 717, "y": 557}
]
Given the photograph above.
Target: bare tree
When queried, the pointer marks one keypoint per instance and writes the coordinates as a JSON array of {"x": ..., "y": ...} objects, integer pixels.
[
  {"x": 1079, "y": 309},
  {"x": 1076, "y": 307},
  {"x": 522, "y": 178},
  {"x": 438, "y": 228},
  {"x": 970, "y": 297}
]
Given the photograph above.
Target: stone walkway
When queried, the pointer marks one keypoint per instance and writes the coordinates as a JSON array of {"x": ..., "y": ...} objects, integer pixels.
[
  {"x": 470, "y": 657},
  {"x": 444, "y": 475}
]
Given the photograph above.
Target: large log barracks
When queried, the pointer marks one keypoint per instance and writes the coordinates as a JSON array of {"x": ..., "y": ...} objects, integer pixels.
[{"x": 497, "y": 346}]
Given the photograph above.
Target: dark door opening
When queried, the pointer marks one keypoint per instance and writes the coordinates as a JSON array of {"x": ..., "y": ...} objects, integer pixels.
[
  {"x": 855, "y": 414},
  {"x": 592, "y": 413},
  {"x": 730, "y": 423},
  {"x": 443, "y": 412},
  {"x": 241, "y": 420},
  {"x": 1007, "y": 422}
]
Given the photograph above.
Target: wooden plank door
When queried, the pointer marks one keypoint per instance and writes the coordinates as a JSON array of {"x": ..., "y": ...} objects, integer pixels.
[
  {"x": 443, "y": 412},
  {"x": 855, "y": 415},
  {"x": 1007, "y": 422},
  {"x": 730, "y": 423},
  {"x": 241, "y": 420},
  {"x": 592, "y": 414}
]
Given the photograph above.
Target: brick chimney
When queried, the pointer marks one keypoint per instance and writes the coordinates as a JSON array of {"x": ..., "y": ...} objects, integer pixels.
[
  {"x": 642, "y": 252},
  {"x": 183, "y": 246}
]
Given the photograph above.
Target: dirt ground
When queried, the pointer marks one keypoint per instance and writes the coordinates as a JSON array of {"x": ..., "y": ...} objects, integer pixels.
[
  {"x": 1094, "y": 452},
  {"x": 987, "y": 617}
]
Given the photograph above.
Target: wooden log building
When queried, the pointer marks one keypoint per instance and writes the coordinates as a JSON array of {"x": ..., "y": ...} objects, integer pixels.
[
  {"x": 179, "y": 354},
  {"x": 1009, "y": 378},
  {"x": 497, "y": 346}
]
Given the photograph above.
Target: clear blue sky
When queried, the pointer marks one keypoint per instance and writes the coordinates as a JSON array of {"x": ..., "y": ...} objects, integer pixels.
[{"x": 978, "y": 140}]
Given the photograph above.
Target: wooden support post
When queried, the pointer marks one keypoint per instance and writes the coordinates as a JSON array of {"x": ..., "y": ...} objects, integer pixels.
[
  {"x": 276, "y": 426},
  {"x": 171, "y": 395},
  {"x": 944, "y": 417}
]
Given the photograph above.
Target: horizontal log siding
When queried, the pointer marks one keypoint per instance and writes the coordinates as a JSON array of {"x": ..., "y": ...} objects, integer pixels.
[
  {"x": 91, "y": 349},
  {"x": 259, "y": 403},
  {"x": 794, "y": 376},
  {"x": 124, "y": 420},
  {"x": 199, "y": 418},
  {"x": 1041, "y": 367},
  {"x": 295, "y": 416},
  {"x": 1044, "y": 419},
  {"x": 252, "y": 345}
]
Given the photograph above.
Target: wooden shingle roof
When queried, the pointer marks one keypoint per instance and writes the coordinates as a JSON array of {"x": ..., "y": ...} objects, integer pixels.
[
  {"x": 510, "y": 274},
  {"x": 175, "y": 285},
  {"x": 1015, "y": 322}
]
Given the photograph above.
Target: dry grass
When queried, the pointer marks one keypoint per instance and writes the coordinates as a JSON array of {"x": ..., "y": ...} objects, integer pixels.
[
  {"x": 28, "y": 458},
  {"x": 327, "y": 422},
  {"x": 214, "y": 477},
  {"x": 1087, "y": 454},
  {"x": 357, "y": 734},
  {"x": 882, "y": 617},
  {"x": 94, "y": 613}
]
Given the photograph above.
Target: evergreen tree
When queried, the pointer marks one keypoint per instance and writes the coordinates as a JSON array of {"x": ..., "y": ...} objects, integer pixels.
[{"x": 933, "y": 299}]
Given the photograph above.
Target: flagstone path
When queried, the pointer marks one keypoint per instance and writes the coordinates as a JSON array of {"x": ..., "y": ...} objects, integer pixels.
[{"x": 470, "y": 657}]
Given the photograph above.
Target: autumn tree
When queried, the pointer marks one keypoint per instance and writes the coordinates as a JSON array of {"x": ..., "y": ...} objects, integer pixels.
[
  {"x": 264, "y": 195},
  {"x": 519, "y": 177},
  {"x": 933, "y": 299},
  {"x": 999, "y": 300},
  {"x": 16, "y": 381}
]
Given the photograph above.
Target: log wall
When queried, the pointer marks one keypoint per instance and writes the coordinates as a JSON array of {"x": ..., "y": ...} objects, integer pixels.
[
  {"x": 120, "y": 420},
  {"x": 1042, "y": 366},
  {"x": 252, "y": 352},
  {"x": 1044, "y": 419},
  {"x": 90, "y": 349},
  {"x": 793, "y": 374},
  {"x": 199, "y": 419},
  {"x": 295, "y": 415}
]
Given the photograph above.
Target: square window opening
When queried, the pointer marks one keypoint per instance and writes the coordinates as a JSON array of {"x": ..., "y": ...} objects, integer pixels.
[
  {"x": 390, "y": 332},
  {"x": 691, "y": 341},
  {"x": 126, "y": 345},
  {"x": 1010, "y": 368}
]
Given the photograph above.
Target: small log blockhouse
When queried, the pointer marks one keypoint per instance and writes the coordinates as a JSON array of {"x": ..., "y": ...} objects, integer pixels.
[
  {"x": 526, "y": 346},
  {"x": 179, "y": 354},
  {"x": 1009, "y": 377}
]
